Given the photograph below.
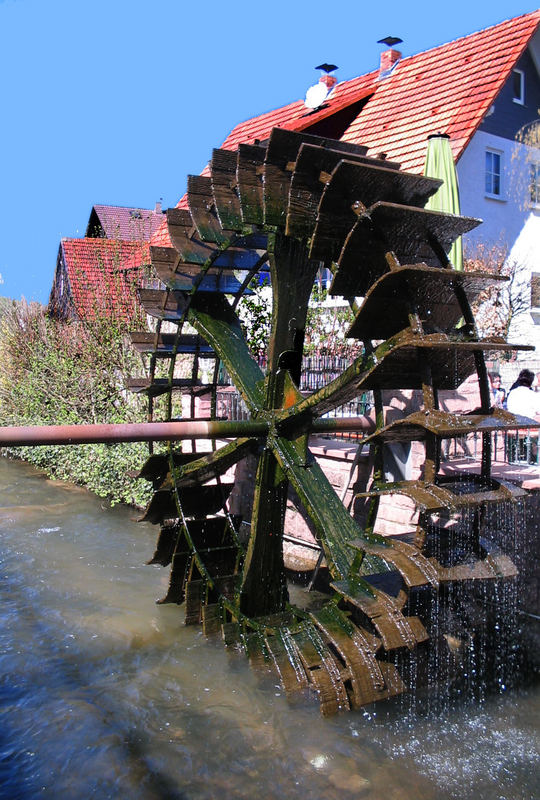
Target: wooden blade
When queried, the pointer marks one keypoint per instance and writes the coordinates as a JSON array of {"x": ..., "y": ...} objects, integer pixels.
[
  {"x": 399, "y": 363},
  {"x": 213, "y": 464}
]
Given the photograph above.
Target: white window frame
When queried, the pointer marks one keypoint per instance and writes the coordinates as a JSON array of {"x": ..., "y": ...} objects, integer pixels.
[
  {"x": 499, "y": 154},
  {"x": 520, "y": 100}
]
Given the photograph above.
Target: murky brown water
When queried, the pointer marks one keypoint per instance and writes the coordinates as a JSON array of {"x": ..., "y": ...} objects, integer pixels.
[{"x": 103, "y": 694}]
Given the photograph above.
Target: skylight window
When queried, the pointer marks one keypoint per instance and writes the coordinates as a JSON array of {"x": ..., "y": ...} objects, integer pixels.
[{"x": 518, "y": 86}]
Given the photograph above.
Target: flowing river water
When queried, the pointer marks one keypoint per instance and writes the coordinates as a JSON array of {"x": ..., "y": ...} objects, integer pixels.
[{"x": 104, "y": 694}]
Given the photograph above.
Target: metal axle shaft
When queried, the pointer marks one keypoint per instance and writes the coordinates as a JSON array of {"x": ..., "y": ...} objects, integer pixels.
[{"x": 162, "y": 431}]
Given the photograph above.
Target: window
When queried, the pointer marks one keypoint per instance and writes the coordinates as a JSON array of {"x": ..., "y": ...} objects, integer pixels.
[
  {"x": 534, "y": 183},
  {"x": 518, "y": 86},
  {"x": 493, "y": 173},
  {"x": 535, "y": 290}
]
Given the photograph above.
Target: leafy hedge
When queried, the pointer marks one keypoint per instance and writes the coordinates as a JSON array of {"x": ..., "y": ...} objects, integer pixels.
[{"x": 72, "y": 373}]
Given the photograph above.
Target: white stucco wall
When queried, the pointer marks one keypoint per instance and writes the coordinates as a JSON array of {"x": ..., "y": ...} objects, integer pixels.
[{"x": 509, "y": 223}]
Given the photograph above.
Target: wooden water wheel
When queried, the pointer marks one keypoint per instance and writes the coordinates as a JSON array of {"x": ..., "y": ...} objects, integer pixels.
[{"x": 284, "y": 209}]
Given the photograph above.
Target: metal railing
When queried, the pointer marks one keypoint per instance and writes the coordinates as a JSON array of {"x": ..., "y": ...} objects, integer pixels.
[
  {"x": 317, "y": 371},
  {"x": 511, "y": 447},
  {"x": 521, "y": 447}
]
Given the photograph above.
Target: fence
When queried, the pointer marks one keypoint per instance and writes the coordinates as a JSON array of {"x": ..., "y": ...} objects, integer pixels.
[
  {"x": 511, "y": 447},
  {"x": 317, "y": 371},
  {"x": 515, "y": 447}
]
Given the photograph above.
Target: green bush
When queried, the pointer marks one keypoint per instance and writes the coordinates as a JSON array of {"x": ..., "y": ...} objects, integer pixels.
[{"x": 63, "y": 373}]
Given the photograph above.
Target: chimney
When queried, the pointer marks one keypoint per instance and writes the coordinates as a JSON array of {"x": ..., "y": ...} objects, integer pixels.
[
  {"x": 157, "y": 209},
  {"x": 390, "y": 57},
  {"x": 329, "y": 81}
]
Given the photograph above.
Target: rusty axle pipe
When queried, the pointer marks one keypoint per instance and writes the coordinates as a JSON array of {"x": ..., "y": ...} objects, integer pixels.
[
  {"x": 36, "y": 435},
  {"x": 364, "y": 425},
  {"x": 128, "y": 432}
]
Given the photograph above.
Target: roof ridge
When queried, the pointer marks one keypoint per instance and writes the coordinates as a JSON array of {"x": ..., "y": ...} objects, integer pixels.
[
  {"x": 531, "y": 14},
  {"x": 126, "y": 208},
  {"x": 338, "y": 85},
  {"x": 101, "y": 240}
]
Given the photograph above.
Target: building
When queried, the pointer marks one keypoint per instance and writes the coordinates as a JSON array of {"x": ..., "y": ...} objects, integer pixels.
[
  {"x": 98, "y": 278},
  {"x": 483, "y": 91},
  {"x": 99, "y": 274},
  {"x": 127, "y": 224}
]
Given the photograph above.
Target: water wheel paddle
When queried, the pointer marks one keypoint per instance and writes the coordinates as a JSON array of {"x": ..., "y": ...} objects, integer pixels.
[{"x": 282, "y": 210}]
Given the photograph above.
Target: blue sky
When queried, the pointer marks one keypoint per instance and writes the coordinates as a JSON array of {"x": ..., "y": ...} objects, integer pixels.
[{"x": 117, "y": 102}]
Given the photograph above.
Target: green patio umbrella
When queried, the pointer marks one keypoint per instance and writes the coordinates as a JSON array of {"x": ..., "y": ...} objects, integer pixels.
[{"x": 440, "y": 164}]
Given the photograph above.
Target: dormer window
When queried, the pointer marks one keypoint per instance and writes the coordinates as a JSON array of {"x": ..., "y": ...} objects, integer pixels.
[{"x": 518, "y": 86}]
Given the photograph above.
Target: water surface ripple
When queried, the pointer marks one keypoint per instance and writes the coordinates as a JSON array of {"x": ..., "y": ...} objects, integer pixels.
[{"x": 103, "y": 694}]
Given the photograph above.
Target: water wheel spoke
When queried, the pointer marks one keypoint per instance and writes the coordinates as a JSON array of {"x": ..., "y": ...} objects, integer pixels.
[
  {"x": 334, "y": 526},
  {"x": 214, "y": 318}
]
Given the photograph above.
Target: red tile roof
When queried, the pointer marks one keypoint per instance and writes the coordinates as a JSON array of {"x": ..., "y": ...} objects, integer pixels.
[
  {"x": 98, "y": 278},
  {"x": 128, "y": 224},
  {"x": 448, "y": 89},
  {"x": 296, "y": 117}
]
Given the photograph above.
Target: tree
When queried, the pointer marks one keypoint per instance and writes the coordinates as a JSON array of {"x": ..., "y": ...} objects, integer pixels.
[{"x": 499, "y": 303}]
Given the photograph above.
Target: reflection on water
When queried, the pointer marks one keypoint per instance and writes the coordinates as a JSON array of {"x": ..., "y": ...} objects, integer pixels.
[{"x": 105, "y": 694}]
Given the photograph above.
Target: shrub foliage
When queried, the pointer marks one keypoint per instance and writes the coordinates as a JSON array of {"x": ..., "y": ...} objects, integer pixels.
[{"x": 65, "y": 373}]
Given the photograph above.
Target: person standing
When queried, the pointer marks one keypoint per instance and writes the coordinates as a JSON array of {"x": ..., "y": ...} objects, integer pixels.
[
  {"x": 521, "y": 397},
  {"x": 523, "y": 400},
  {"x": 498, "y": 394}
]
